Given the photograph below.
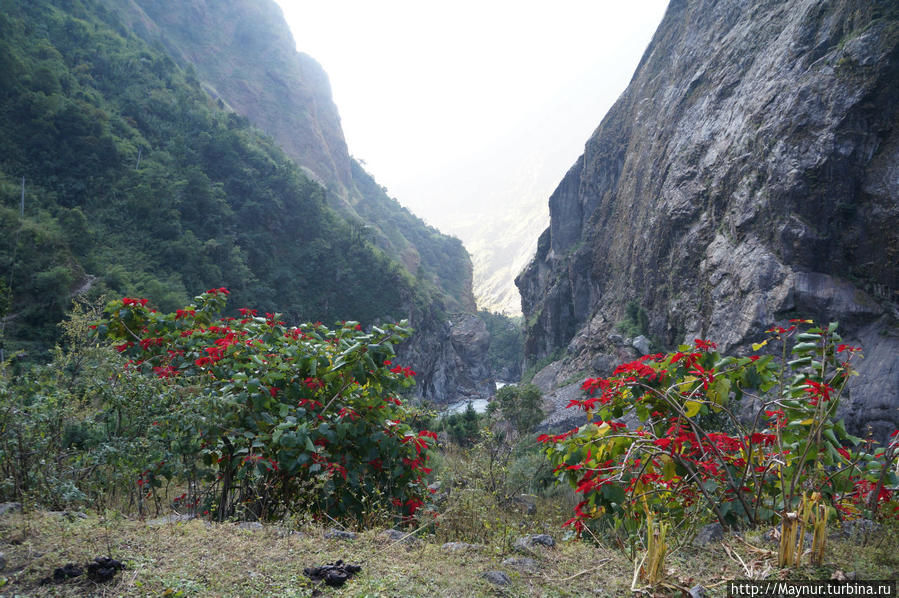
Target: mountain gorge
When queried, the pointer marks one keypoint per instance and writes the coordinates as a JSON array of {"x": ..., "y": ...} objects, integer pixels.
[
  {"x": 747, "y": 175},
  {"x": 136, "y": 126}
]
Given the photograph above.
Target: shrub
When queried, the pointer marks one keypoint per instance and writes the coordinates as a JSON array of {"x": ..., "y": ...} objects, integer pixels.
[
  {"x": 790, "y": 453},
  {"x": 287, "y": 417},
  {"x": 520, "y": 405},
  {"x": 80, "y": 430}
]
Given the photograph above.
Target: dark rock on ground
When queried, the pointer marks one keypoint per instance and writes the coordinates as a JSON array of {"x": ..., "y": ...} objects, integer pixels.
[
  {"x": 10, "y": 507},
  {"x": 713, "y": 532},
  {"x": 339, "y": 534},
  {"x": 333, "y": 574},
  {"x": 103, "y": 569},
  {"x": 100, "y": 570},
  {"x": 60, "y": 574},
  {"x": 3, "y": 561},
  {"x": 67, "y": 571},
  {"x": 497, "y": 578}
]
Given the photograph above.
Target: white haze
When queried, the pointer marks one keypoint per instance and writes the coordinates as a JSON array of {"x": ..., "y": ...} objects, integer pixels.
[{"x": 469, "y": 110}]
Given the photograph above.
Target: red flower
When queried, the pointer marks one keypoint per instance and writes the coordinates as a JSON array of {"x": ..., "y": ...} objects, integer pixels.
[
  {"x": 413, "y": 504},
  {"x": 662, "y": 443},
  {"x": 707, "y": 376},
  {"x": 841, "y": 348},
  {"x": 165, "y": 371},
  {"x": 704, "y": 345},
  {"x": 819, "y": 391},
  {"x": 347, "y": 411},
  {"x": 405, "y": 371}
]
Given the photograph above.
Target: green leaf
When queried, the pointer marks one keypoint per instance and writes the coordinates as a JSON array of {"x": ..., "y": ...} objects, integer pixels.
[
  {"x": 804, "y": 347},
  {"x": 691, "y": 408},
  {"x": 613, "y": 493}
]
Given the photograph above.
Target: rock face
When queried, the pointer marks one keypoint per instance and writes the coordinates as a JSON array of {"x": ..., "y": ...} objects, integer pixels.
[
  {"x": 288, "y": 95},
  {"x": 749, "y": 173},
  {"x": 451, "y": 359}
]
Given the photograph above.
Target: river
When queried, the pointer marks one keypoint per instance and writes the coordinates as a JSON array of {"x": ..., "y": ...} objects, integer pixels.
[{"x": 479, "y": 405}]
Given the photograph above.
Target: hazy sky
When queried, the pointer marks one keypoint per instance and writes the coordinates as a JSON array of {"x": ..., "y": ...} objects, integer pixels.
[{"x": 443, "y": 101}]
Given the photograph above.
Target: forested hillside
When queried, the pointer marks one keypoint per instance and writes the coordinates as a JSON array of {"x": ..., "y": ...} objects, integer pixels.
[
  {"x": 136, "y": 182},
  {"x": 246, "y": 58}
]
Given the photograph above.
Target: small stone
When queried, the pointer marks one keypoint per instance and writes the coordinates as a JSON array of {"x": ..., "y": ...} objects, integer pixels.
[
  {"x": 286, "y": 532},
  {"x": 713, "y": 532},
  {"x": 698, "y": 591},
  {"x": 2, "y": 561},
  {"x": 520, "y": 563},
  {"x": 526, "y": 503},
  {"x": 10, "y": 507},
  {"x": 859, "y": 530},
  {"x": 396, "y": 535},
  {"x": 641, "y": 344},
  {"x": 773, "y": 536},
  {"x": 527, "y": 543},
  {"x": 339, "y": 534},
  {"x": 253, "y": 526},
  {"x": 173, "y": 518},
  {"x": 497, "y": 578},
  {"x": 73, "y": 515},
  {"x": 461, "y": 547}
]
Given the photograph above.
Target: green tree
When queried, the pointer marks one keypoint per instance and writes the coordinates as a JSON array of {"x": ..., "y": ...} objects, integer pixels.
[{"x": 520, "y": 405}]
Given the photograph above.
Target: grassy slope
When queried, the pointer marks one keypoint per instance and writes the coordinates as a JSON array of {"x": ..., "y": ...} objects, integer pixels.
[{"x": 201, "y": 559}]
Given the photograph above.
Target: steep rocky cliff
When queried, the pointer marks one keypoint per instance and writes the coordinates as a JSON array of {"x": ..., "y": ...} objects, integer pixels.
[
  {"x": 246, "y": 57},
  {"x": 749, "y": 172}
]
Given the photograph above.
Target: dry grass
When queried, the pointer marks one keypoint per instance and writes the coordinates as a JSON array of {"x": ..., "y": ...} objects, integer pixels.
[{"x": 200, "y": 559}]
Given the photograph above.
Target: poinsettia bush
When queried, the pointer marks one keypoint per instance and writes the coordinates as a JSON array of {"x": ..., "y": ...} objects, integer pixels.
[
  {"x": 285, "y": 418},
  {"x": 742, "y": 439}
]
